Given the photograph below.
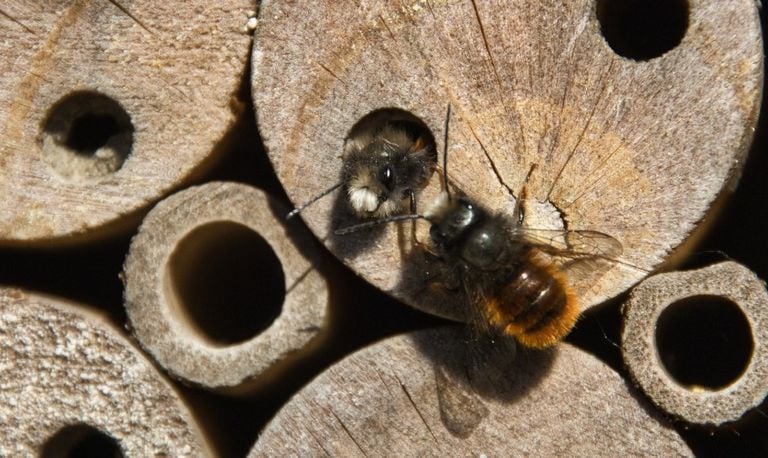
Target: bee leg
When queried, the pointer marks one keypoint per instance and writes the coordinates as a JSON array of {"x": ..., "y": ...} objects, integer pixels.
[
  {"x": 518, "y": 213},
  {"x": 414, "y": 237},
  {"x": 452, "y": 281},
  {"x": 412, "y": 197},
  {"x": 442, "y": 286}
]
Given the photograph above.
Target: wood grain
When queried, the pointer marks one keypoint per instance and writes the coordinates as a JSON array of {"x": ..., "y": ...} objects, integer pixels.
[
  {"x": 65, "y": 366},
  {"x": 638, "y": 150},
  {"x": 74, "y": 166},
  {"x": 162, "y": 285},
  {"x": 694, "y": 403},
  {"x": 430, "y": 394}
]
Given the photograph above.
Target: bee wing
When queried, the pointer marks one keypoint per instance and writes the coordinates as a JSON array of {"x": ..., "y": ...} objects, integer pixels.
[
  {"x": 583, "y": 255},
  {"x": 473, "y": 314},
  {"x": 573, "y": 244}
]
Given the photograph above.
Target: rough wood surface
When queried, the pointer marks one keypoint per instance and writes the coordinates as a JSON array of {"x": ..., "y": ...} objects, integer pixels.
[
  {"x": 156, "y": 297},
  {"x": 64, "y": 366},
  {"x": 167, "y": 74},
  {"x": 427, "y": 394},
  {"x": 695, "y": 404},
  {"x": 636, "y": 149}
]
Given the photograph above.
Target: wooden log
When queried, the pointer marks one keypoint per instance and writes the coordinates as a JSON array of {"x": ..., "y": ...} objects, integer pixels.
[
  {"x": 429, "y": 394},
  {"x": 107, "y": 106},
  {"x": 220, "y": 290},
  {"x": 696, "y": 342},
  {"x": 71, "y": 381},
  {"x": 637, "y": 145}
]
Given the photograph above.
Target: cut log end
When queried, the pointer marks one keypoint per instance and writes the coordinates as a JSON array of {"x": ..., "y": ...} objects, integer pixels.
[
  {"x": 106, "y": 106},
  {"x": 72, "y": 382},
  {"x": 433, "y": 393},
  {"x": 220, "y": 290},
  {"x": 623, "y": 140},
  {"x": 695, "y": 342}
]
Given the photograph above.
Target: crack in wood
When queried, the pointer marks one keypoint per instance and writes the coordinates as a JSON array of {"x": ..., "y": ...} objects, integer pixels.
[
  {"x": 333, "y": 74},
  {"x": 128, "y": 13},
  {"x": 383, "y": 382},
  {"x": 318, "y": 442},
  {"x": 346, "y": 430},
  {"x": 416, "y": 408},
  {"x": 556, "y": 140},
  {"x": 583, "y": 131},
  {"x": 600, "y": 166},
  {"x": 391, "y": 35},
  {"x": 490, "y": 160},
  {"x": 17, "y": 22},
  {"x": 184, "y": 96},
  {"x": 431, "y": 11},
  {"x": 496, "y": 74}
]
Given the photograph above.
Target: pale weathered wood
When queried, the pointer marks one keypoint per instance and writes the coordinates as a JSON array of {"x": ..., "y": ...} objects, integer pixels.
[
  {"x": 636, "y": 149},
  {"x": 429, "y": 394},
  {"x": 167, "y": 73},
  {"x": 697, "y": 404},
  {"x": 161, "y": 283},
  {"x": 64, "y": 366}
]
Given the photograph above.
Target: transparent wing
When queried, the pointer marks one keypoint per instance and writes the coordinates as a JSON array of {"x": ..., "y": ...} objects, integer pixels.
[
  {"x": 584, "y": 255},
  {"x": 572, "y": 244}
]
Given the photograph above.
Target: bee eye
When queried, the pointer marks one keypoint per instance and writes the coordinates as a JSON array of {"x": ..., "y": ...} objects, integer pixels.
[{"x": 387, "y": 177}]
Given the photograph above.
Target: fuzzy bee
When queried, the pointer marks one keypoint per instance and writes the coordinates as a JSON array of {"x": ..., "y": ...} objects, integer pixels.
[
  {"x": 384, "y": 166},
  {"x": 515, "y": 278}
]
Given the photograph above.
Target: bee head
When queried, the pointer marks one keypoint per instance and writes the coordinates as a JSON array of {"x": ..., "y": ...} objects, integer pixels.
[
  {"x": 452, "y": 221},
  {"x": 385, "y": 172}
]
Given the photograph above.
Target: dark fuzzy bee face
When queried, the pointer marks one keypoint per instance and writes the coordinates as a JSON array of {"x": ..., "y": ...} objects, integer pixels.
[
  {"x": 381, "y": 175},
  {"x": 388, "y": 157}
]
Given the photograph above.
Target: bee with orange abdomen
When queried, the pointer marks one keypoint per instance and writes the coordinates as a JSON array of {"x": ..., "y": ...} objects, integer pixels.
[{"x": 511, "y": 274}]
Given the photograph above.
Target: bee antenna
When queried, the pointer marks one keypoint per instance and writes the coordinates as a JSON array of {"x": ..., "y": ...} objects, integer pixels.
[
  {"x": 298, "y": 209},
  {"x": 445, "y": 152},
  {"x": 369, "y": 224}
]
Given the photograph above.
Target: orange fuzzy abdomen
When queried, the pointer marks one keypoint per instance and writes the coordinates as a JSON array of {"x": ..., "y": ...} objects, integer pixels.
[{"x": 535, "y": 305}]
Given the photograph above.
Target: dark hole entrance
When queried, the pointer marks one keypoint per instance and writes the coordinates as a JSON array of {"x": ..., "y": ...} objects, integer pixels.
[
  {"x": 642, "y": 29},
  {"x": 374, "y": 122},
  {"x": 228, "y": 283},
  {"x": 90, "y": 132},
  {"x": 81, "y": 441},
  {"x": 86, "y": 135},
  {"x": 704, "y": 341}
]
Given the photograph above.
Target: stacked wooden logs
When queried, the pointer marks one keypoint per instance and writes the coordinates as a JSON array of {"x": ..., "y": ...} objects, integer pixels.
[{"x": 165, "y": 145}]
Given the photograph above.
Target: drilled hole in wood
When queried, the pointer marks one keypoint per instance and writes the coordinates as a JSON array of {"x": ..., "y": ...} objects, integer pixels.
[
  {"x": 91, "y": 132},
  {"x": 86, "y": 135},
  {"x": 226, "y": 281},
  {"x": 403, "y": 120},
  {"x": 642, "y": 29},
  {"x": 704, "y": 342},
  {"x": 80, "y": 440}
]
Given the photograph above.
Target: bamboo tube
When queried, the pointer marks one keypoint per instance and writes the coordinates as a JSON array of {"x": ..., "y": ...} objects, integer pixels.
[
  {"x": 70, "y": 379},
  {"x": 221, "y": 290},
  {"x": 695, "y": 342},
  {"x": 107, "y": 106},
  {"x": 635, "y": 143},
  {"x": 428, "y": 394}
]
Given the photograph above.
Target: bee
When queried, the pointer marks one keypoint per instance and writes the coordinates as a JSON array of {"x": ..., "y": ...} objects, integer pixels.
[
  {"x": 385, "y": 163},
  {"x": 510, "y": 273}
]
